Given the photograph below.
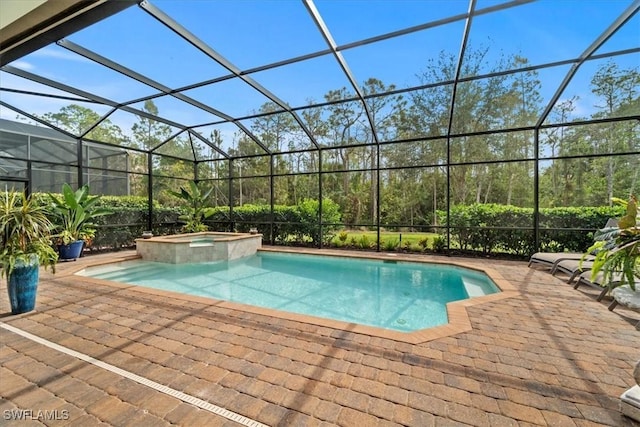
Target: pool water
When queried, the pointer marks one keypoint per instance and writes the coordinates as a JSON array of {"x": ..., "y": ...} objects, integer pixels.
[{"x": 401, "y": 296}]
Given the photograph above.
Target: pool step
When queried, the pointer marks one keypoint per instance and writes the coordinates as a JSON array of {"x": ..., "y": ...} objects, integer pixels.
[{"x": 475, "y": 288}]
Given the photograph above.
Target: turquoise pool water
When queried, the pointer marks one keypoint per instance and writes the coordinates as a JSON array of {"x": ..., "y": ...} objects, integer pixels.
[{"x": 401, "y": 296}]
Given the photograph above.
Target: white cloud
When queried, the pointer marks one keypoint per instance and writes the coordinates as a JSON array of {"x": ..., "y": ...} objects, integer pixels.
[
  {"x": 54, "y": 51},
  {"x": 581, "y": 109},
  {"x": 23, "y": 65}
]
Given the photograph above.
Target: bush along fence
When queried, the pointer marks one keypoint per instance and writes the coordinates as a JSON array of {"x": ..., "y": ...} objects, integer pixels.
[
  {"x": 296, "y": 224},
  {"x": 486, "y": 229},
  {"x": 287, "y": 225},
  {"x": 492, "y": 228}
]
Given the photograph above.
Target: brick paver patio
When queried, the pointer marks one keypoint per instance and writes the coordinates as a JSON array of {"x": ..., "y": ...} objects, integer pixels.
[{"x": 550, "y": 356}]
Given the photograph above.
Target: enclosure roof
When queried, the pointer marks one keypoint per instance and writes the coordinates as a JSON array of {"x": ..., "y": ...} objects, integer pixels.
[{"x": 240, "y": 78}]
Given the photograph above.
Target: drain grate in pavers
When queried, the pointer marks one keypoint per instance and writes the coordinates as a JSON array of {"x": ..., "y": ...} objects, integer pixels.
[{"x": 202, "y": 404}]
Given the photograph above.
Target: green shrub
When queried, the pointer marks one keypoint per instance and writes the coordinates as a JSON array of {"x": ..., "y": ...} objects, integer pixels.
[
  {"x": 390, "y": 245},
  {"x": 491, "y": 228},
  {"x": 483, "y": 228},
  {"x": 439, "y": 244},
  {"x": 288, "y": 224},
  {"x": 364, "y": 242}
]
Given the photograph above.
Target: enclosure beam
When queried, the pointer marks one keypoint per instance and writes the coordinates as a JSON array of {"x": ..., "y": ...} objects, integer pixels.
[
  {"x": 37, "y": 119},
  {"x": 606, "y": 35},
  {"x": 452, "y": 106},
  {"x": 211, "y": 53},
  {"x": 326, "y": 35},
  {"x": 156, "y": 85},
  {"x": 89, "y": 96}
]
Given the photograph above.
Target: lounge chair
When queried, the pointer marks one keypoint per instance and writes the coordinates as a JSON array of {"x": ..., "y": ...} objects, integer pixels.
[
  {"x": 573, "y": 267},
  {"x": 597, "y": 282},
  {"x": 549, "y": 259}
]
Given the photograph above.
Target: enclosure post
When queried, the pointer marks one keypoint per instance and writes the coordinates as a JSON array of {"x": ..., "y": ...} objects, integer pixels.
[
  {"x": 231, "y": 223},
  {"x": 149, "y": 192},
  {"x": 448, "y": 193},
  {"x": 80, "y": 165},
  {"x": 378, "y": 195},
  {"x": 320, "y": 198},
  {"x": 271, "y": 195},
  {"x": 536, "y": 189},
  {"x": 127, "y": 169},
  {"x": 29, "y": 183}
]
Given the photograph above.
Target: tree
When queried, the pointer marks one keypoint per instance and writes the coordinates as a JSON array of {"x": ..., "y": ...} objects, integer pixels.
[
  {"x": 616, "y": 88},
  {"x": 170, "y": 173}
]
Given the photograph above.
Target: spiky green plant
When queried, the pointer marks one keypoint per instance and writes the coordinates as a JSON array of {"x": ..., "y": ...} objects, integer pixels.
[
  {"x": 439, "y": 244},
  {"x": 25, "y": 231},
  {"x": 364, "y": 242},
  {"x": 390, "y": 245}
]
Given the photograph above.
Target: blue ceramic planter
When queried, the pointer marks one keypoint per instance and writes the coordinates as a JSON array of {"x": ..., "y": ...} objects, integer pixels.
[
  {"x": 22, "y": 286},
  {"x": 71, "y": 251}
]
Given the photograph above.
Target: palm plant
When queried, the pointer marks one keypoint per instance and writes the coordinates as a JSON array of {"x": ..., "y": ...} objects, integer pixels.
[
  {"x": 197, "y": 211},
  {"x": 618, "y": 249},
  {"x": 74, "y": 214}
]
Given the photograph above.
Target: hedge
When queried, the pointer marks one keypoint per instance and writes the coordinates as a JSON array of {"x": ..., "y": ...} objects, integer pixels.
[
  {"x": 481, "y": 228},
  {"x": 288, "y": 224},
  {"x": 492, "y": 228}
]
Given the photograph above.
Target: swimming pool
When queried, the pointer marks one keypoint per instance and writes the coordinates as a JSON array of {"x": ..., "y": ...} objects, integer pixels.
[{"x": 400, "y": 296}]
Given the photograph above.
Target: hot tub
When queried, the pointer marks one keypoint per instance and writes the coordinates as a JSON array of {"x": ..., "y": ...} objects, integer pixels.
[{"x": 198, "y": 247}]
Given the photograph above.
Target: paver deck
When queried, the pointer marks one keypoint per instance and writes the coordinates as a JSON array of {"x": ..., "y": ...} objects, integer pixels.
[{"x": 548, "y": 355}]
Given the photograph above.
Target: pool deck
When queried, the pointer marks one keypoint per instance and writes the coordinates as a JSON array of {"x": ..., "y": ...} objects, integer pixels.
[{"x": 98, "y": 354}]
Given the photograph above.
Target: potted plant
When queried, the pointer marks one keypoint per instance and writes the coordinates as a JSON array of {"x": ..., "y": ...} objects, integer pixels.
[
  {"x": 25, "y": 234},
  {"x": 73, "y": 216},
  {"x": 197, "y": 211},
  {"x": 618, "y": 249}
]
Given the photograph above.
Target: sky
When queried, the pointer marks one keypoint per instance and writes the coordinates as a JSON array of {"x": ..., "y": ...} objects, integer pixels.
[{"x": 251, "y": 34}]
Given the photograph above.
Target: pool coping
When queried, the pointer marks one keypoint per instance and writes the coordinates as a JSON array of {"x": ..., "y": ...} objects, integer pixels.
[{"x": 459, "y": 320}]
